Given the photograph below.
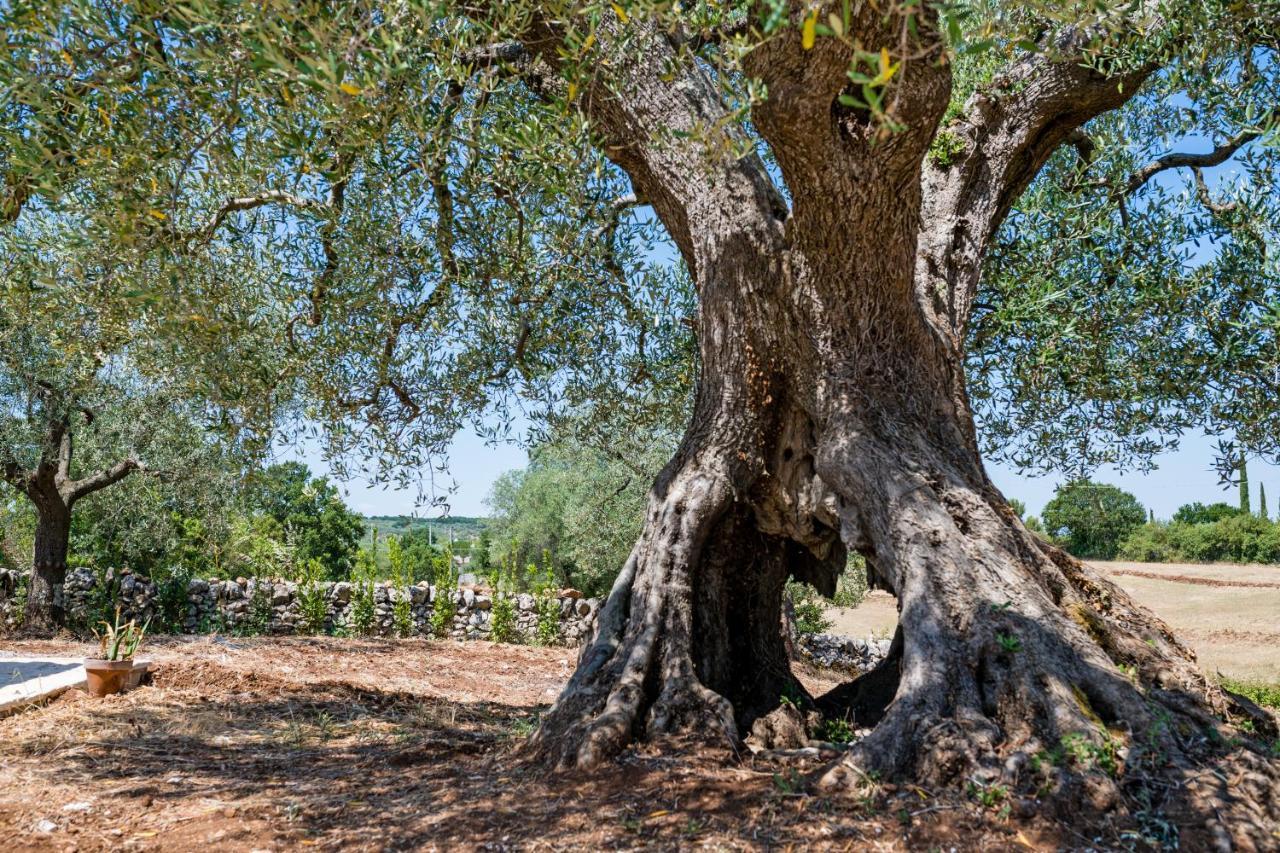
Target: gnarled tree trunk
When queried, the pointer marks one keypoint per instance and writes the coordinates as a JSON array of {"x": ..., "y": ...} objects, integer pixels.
[
  {"x": 830, "y": 416},
  {"x": 44, "y": 610},
  {"x": 53, "y": 492}
]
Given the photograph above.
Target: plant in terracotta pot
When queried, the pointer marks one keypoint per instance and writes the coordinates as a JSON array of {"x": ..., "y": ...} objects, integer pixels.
[{"x": 109, "y": 672}]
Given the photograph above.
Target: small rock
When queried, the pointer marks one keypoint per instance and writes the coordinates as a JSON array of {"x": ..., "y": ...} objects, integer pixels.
[
  {"x": 81, "y": 806},
  {"x": 46, "y": 826}
]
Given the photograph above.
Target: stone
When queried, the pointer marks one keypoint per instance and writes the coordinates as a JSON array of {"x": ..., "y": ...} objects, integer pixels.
[
  {"x": 468, "y": 598},
  {"x": 569, "y": 592},
  {"x": 483, "y": 602},
  {"x": 583, "y": 607},
  {"x": 197, "y": 587},
  {"x": 340, "y": 592},
  {"x": 417, "y": 594},
  {"x": 280, "y": 594}
]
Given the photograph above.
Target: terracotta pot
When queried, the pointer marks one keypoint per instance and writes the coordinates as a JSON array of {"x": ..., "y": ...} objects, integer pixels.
[{"x": 104, "y": 677}]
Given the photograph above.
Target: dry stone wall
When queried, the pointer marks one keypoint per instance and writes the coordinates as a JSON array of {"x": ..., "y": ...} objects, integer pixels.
[{"x": 262, "y": 605}]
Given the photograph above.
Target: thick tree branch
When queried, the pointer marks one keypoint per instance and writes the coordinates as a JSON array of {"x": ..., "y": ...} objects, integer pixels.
[
  {"x": 64, "y": 456},
  {"x": 1005, "y": 135},
  {"x": 102, "y": 479},
  {"x": 666, "y": 125}
]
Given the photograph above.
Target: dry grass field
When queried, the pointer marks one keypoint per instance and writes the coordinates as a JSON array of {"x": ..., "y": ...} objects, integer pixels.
[{"x": 1229, "y": 614}]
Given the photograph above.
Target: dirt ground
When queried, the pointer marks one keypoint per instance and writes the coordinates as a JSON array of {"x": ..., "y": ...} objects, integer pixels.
[
  {"x": 1229, "y": 614},
  {"x": 299, "y": 743}
]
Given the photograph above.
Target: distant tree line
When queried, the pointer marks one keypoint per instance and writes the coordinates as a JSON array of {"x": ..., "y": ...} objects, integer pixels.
[{"x": 1099, "y": 521}]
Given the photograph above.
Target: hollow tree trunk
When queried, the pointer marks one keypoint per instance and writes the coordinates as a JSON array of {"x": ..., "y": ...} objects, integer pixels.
[
  {"x": 830, "y": 415},
  {"x": 851, "y": 437},
  {"x": 44, "y": 610}
]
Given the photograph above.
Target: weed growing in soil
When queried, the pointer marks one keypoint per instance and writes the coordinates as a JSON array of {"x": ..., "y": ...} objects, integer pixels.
[
  {"x": 835, "y": 731},
  {"x": 988, "y": 796},
  {"x": 790, "y": 784},
  {"x": 1260, "y": 693}
]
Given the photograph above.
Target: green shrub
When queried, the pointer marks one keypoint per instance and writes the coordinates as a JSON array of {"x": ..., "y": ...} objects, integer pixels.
[
  {"x": 171, "y": 600},
  {"x": 1091, "y": 519},
  {"x": 1148, "y": 544},
  {"x": 442, "y": 612},
  {"x": 851, "y": 586},
  {"x": 18, "y": 603},
  {"x": 363, "y": 614},
  {"x": 1198, "y": 513},
  {"x": 548, "y": 608},
  {"x": 502, "y": 625},
  {"x": 401, "y": 580},
  {"x": 257, "y": 618},
  {"x": 808, "y": 607},
  {"x": 1234, "y": 538},
  {"x": 312, "y": 606}
]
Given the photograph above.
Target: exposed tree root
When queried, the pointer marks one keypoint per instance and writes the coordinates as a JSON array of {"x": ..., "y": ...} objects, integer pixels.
[{"x": 1022, "y": 667}]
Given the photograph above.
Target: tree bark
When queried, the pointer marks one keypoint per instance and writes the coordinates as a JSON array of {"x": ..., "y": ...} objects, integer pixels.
[
  {"x": 44, "y": 611},
  {"x": 831, "y": 415}
]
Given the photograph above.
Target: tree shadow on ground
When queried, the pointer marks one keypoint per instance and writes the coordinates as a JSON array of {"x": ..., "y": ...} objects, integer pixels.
[
  {"x": 334, "y": 765},
  {"x": 339, "y": 765}
]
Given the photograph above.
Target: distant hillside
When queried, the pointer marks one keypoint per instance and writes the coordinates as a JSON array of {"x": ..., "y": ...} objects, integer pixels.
[{"x": 461, "y": 526}]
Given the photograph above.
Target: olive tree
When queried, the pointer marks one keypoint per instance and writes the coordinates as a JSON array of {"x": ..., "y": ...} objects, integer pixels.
[{"x": 880, "y": 208}]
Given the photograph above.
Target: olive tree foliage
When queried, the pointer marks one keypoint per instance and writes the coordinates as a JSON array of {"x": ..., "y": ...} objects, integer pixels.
[
  {"x": 399, "y": 170},
  {"x": 578, "y": 504},
  {"x": 433, "y": 243},
  {"x": 1134, "y": 291},
  {"x": 434, "y": 198}
]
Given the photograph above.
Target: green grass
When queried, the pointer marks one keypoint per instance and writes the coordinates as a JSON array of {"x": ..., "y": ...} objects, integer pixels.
[{"x": 1266, "y": 695}]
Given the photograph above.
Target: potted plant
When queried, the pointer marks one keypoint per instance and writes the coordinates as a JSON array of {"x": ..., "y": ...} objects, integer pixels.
[{"x": 109, "y": 673}]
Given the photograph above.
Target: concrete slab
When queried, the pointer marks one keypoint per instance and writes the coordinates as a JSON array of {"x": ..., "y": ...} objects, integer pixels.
[{"x": 24, "y": 680}]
